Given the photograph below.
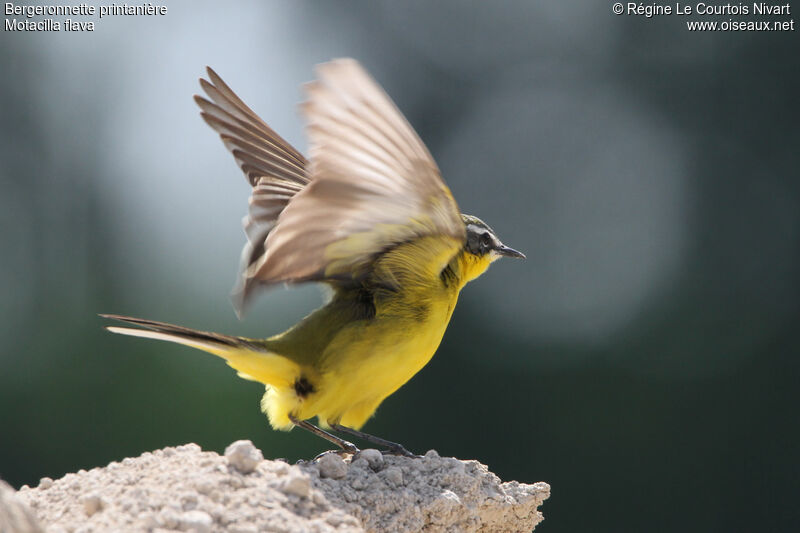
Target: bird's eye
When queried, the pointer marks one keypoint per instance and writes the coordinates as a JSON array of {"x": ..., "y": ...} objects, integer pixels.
[{"x": 486, "y": 239}]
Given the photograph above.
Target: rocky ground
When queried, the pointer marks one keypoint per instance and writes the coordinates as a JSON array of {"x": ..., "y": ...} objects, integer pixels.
[{"x": 187, "y": 489}]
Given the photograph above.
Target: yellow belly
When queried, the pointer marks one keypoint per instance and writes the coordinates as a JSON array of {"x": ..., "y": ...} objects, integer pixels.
[
  {"x": 364, "y": 363},
  {"x": 355, "y": 364}
]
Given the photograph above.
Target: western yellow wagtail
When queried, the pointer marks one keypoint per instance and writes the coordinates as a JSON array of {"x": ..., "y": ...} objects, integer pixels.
[{"x": 369, "y": 215}]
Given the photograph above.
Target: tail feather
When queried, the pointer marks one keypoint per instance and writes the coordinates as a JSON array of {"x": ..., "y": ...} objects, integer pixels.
[{"x": 250, "y": 359}]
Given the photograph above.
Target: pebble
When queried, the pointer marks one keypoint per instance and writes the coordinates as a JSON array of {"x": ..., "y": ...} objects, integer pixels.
[
  {"x": 168, "y": 518},
  {"x": 432, "y": 454},
  {"x": 92, "y": 503},
  {"x": 332, "y": 465},
  {"x": 298, "y": 485},
  {"x": 393, "y": 475},
  {"x": 373, "y": 457},
  {"x": 243, "y": 456},
  {"x": 195, "y": 521}
]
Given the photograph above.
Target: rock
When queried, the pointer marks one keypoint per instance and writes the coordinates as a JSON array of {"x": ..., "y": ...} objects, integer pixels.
[
  {"x": 15, "y": 515},
  {"x": 92, "y": 503},
  {"x": 297, "y": 485},
  {"x": 187, "y": 489},
  {"x": 332, "y": 465},
  {"x": 243, "y": 456},
  {"x": 373, "y": 457},
  {"x": 393, "y": 475},
  {"x": 195, "y": 522}
]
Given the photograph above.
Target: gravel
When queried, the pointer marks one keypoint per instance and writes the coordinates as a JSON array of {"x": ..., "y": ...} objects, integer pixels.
[{"x": 187, "y": 489}]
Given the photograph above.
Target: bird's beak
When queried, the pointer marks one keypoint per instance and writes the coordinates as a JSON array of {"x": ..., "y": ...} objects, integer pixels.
[{"x": 509, "y": 252}]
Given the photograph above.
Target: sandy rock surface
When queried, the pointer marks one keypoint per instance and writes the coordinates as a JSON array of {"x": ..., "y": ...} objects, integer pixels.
[
  {"x": 15, "y": 516},
  {"x": 187, "y": 489}
]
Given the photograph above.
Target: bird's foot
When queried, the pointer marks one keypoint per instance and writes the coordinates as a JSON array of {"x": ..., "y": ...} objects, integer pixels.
[
  {"x": 347, "y": 449},
  {"x": 392, "y": 448},
  {"x": 399, "y": 449}
]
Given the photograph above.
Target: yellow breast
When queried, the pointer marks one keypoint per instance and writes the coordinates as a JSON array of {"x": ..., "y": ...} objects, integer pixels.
[
  {"x": 367, "y": 360},
  {"x": 370, "y": 360}
]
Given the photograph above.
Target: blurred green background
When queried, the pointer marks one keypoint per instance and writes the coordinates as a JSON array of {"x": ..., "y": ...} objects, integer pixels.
[{"x": 643, "y": 360}]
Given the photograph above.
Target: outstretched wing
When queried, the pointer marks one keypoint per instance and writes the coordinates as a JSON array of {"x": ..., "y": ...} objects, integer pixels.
[
  {"x": 373, "y": 186},
  {"x": 275, "y": 170}
]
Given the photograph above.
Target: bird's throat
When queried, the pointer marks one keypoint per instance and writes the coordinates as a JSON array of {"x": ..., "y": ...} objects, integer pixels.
[{"x": 467, "y": 266}]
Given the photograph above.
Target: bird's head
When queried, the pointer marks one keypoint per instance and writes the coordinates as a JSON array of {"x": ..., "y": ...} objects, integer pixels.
[
  {"x": 482, "y": 248},
  {"x": 481, "y": 240}
]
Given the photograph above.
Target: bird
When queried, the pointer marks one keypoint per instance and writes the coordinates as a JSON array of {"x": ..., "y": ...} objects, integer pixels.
[{"x": 367, "y": 215}]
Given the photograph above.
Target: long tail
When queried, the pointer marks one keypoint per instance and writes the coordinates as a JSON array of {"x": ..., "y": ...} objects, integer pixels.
[{"x": 249, "y": 358}]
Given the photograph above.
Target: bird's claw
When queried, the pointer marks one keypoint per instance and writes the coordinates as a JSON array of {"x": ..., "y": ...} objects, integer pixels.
[
  {"x": 400, "y": 451},
  {"x": 348, "y": 449}
]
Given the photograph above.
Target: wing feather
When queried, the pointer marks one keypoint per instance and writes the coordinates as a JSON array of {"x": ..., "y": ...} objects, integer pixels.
[
  {"x": 275, "y": 170},
  {"x": 374, "y": 186},
  {"x": 371, "y": 185}
]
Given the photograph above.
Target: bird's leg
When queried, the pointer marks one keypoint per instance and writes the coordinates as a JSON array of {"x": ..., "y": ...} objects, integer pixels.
[
  {"x": 346, "y": 446},
  {"x": 392, "y": 447}
]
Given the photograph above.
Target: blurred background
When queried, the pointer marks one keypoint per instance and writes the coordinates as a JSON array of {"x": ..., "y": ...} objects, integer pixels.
[{"x": 643, "y": 360}]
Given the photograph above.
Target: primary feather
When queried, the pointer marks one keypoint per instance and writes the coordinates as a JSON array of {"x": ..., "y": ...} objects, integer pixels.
[
  {"x": 374, "y": 186},
  {"x": 275, "y": 170}
]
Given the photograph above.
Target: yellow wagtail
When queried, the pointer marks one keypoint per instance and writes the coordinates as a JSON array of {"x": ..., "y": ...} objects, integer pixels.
[{"x": 370, "y": 216}]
